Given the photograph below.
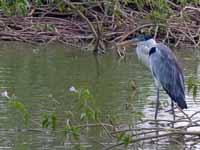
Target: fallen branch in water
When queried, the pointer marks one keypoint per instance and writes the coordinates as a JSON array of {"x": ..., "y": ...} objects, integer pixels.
[
  {"x": 148, "y": 130},
  {"x": 157, "y": 136}
]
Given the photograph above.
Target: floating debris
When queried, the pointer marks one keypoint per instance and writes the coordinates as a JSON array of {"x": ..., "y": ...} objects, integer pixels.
[
  {"x": 72, "y": 89},
  {"x": 5, "y": 94}
]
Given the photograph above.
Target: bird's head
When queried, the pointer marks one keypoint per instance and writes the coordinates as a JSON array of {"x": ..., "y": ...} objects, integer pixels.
[
  {"x": 143, "y": 38},
  {"x": 146, "y": 40}
]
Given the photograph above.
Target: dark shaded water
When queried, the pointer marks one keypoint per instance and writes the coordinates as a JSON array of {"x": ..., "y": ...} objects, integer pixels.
[{"x": 41, "y": 77}]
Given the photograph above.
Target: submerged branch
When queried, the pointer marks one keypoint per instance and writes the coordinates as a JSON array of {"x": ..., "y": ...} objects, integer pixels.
[{"x": 157, "y": 136}]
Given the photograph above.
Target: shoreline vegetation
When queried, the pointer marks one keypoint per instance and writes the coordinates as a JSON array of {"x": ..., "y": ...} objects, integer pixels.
[{"x": 100, "y": 24}]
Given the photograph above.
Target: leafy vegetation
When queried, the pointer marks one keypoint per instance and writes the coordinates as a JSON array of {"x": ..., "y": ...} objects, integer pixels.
[
  {"x": 49, "y": 120},
  {"x": 126, "y": 139},
  {"x": 15, "y": 7},
  {"x": 193, "y": 86},
  {"x": 88, "y": 115},
  {"x": 19, "y": 107}
]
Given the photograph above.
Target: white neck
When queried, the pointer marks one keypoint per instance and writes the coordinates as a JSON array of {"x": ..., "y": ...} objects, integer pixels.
[{"x": 143, "y": 49}]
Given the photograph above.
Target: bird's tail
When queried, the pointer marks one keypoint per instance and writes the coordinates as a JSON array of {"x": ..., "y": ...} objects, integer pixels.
[
  {"x": 179, "y": 99},
  {"x": 182, "y": 104}
]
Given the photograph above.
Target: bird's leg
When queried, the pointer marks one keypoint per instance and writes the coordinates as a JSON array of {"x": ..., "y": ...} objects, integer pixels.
[
  {"x": 172, "y": 104},
  {"x": 157, "y": 103}
]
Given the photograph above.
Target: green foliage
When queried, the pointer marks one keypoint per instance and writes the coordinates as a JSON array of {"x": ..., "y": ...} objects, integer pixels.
[
  {"x": 184, "y": 2},
  {"x": 120, "y": 137},
  {"x": 46, "y": 27},
  {"x": 49, "y": 120},
  {"x": 54, "y": 121},
  {"x": 21, "y": 7},
  {"x": 62, "y": 7},
  {"x": 14, "y": 7},
  {"x": 159, "y": 9},
  {"x": 78, "y": 147},
  {"x": 69, "y": 114},
  {"x": 194, "y": 93},
  {"x": 139, "y": 3},
  {"x": 44, "y": 2},
  {"x": 38, "y": 2},
  {"x": 87, "y": 105},
  {"x": 127, "y": 140},
  {"x": 124, "y": 138},
  {"x": 72, "y": 132},
  {"x": 193, "y": 86},
  {"x": 45, "y": 122},
  {"x": 88, "y": 112},
  {"x": 190, "y": 83},
  {"x": 21, "y": 108},
  {"x": 113, "y": 119}
]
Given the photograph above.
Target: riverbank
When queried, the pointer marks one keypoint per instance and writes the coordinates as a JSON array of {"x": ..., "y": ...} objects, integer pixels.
[{"x": 103, "y": 23}]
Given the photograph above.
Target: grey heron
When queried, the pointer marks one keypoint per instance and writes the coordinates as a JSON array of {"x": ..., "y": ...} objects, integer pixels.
[{"x": 165, "y": 70}]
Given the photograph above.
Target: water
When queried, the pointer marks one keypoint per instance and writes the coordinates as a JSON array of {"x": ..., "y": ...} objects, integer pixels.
[{"x": 41, "y": 76}]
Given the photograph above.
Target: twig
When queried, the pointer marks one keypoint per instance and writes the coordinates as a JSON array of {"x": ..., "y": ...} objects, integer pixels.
[
  {"x": 82, "y": 16},
  {"x": 157, "y": 136},
  {"x": 156, "y": 31}
]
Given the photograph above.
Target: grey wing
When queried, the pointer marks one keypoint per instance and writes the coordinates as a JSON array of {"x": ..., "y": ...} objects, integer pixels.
[{"x": 166, "y": 70}]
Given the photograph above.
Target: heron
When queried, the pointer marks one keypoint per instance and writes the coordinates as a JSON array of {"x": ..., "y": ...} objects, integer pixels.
[{"x": 165, "y": 70}]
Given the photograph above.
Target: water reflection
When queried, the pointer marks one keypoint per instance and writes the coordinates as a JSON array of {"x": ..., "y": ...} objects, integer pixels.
[{"x": 41, "y": 78}]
